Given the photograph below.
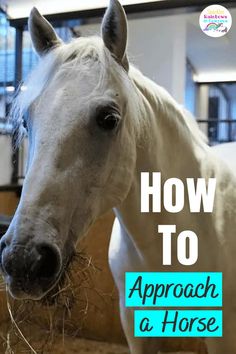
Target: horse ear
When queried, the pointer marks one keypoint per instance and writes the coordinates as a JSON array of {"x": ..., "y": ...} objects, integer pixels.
[
  {"x": 114, "y": 32},
  {"x": 43, "y": 36}
]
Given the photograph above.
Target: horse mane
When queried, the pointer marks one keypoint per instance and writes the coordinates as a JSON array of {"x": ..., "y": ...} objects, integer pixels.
[{"x": 165, "y": 105}]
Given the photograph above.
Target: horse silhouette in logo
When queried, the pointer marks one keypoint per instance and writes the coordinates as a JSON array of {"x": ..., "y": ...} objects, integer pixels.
[{"x": 215, "y": 27}]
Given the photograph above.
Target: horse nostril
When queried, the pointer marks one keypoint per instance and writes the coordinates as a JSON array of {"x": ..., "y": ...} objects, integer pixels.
[
  {"x": 47, "y": 263},
  {"x": 2, "y": 246}
]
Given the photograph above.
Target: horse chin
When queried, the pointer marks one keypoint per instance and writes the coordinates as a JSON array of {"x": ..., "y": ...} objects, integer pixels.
[
  {"x": 18, "y": 293},
  {"x": 21, "y": 295},
  {"x": 37, "y": 292}
]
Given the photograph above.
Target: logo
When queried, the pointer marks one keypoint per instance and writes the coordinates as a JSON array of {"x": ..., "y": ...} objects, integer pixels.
[{"x": 215, "y": 21}]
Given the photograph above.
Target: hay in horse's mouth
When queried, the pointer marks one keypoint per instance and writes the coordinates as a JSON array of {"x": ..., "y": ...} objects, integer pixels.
[
  {"x": 57, "y": 303},
  {"x": 79, "y": 261}
]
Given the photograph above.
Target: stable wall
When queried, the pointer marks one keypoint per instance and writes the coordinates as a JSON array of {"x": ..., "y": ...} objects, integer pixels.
[
  {"x": 157, "y": 46},
  {"x": 5, "y": 160}
]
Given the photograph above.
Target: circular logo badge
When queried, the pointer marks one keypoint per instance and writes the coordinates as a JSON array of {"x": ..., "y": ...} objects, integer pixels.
[{"x": 215, "y": 21}]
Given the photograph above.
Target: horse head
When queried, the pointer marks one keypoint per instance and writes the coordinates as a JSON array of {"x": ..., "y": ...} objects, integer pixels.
[{"x": 76, "y": 110}]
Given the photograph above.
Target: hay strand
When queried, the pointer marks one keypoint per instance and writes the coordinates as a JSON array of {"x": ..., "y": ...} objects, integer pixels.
[{"x": 16, "y": 325}]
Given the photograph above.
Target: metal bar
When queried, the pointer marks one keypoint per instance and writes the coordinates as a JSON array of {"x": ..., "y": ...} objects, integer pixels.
[
  {"x": 18, "y": 78},
  {"x": 170, "y": 6},
  {"x": 230, "y": 131},
  {"x": 18, "y": 56},
  {"x": 7, "y": 83},
  {"x": 216, "y": 120},
  {"x": 229, "y": 125},
  {"x": 230, "y": 82}
]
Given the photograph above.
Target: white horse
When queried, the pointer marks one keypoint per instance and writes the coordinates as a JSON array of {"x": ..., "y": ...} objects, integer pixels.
[{"x": 94, "y": 124}]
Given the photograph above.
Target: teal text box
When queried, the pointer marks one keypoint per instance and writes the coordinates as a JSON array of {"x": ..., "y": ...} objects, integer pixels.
[
  {"x": 173, "y": 289},
  {"x": 176, "y": 323}
]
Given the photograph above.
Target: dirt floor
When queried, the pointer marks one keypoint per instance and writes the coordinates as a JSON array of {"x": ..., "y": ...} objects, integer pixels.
[
  {"x": 83, "y": 346},
  {"x": 79, "y": 346},
  {"x": 63, "y": 344}
]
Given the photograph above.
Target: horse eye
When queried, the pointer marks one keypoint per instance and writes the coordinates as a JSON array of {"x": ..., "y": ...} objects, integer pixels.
[
  {"x": 24, "y": 123},
  {"x": 107, "y": 121}
]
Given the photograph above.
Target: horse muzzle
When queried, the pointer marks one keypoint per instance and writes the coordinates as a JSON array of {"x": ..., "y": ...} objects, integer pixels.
[{"x": 30, "y": 271}]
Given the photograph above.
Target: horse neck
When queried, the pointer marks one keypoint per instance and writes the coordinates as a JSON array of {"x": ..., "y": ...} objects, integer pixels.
[
  {"x": 172, "y": 142},
  {"x": 167, "y": 146}
]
